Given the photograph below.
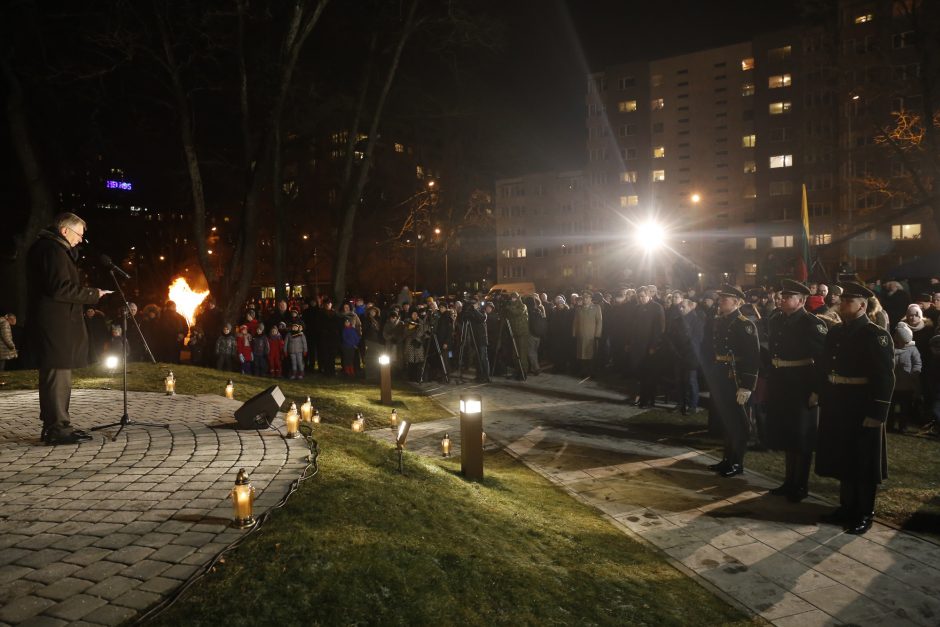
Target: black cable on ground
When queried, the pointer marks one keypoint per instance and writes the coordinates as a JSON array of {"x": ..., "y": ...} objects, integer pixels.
[{"x": 310, "y": 470}]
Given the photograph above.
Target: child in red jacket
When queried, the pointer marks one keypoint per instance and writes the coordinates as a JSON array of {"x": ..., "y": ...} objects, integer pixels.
[
  {"x": 277, "y": 350},
  {"x": 243, "y": 343}
]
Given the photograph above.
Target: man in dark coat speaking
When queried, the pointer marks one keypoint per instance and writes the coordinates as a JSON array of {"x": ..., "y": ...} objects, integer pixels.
[{"x": 57, "y": 327}]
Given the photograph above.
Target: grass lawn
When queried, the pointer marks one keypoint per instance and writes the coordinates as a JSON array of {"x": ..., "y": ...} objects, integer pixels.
[
  {"x": 909, "y": 498},
  {"x": 361, "y": 544}
]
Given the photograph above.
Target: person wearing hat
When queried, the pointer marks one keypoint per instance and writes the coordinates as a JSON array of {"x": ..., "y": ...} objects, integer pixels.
[
  {"x": 644, "y": 337},
  {"x": 857, "y": 374},
  {"x": 586, "y": 330},
  {"x": 732, "y": 376},
  {"x": 795, "y": 341}
]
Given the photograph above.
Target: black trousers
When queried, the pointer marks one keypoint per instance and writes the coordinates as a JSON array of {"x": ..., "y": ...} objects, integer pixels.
[
  {"x": 55, "y": 393},
  {"x": 857, "y": 498},
  {"x": 733, "y": 417}
]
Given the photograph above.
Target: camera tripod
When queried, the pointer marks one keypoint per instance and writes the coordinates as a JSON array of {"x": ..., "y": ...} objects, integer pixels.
[
  {"x": 467, "y": 336},
  {"x": 427, "y": 354},
  {"x": 506, "y": 329}
]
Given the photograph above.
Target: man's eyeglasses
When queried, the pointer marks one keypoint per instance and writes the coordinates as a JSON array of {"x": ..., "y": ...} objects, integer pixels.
[{"x": 81, "y": 236}]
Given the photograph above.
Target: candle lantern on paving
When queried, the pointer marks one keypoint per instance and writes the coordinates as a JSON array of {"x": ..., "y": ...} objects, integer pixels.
[
  {"x": 230, "y": 389},
  {"x": 170, "y": 383},
  {"x": 445, "y": 446},
  {"x": 306, "y": 410},
  {"x": 291, "y": 420},
  {"x": 471, "y": 436},
  {"x": 243, "y": 500}
]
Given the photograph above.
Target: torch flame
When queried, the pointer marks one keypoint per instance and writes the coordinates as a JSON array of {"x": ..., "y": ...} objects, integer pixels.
[{"x": 186, "y": 299}]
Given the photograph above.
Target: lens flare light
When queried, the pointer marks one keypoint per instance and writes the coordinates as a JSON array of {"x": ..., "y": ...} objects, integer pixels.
[{"x": 650, "y": 235}]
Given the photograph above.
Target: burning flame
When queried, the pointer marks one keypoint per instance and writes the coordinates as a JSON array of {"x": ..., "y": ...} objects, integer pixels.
[{"x": 186, "y": 299}]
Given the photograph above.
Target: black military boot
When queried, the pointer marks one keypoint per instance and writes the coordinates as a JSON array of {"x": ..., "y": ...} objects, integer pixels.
[
  {"x": 800, "y": 488},
  {"x": 785, "y": 488}
]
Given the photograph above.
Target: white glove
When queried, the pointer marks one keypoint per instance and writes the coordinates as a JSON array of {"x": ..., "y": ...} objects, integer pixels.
[
  {"x": 813, "y": 399},
  {"x": 743, "y": 395}
]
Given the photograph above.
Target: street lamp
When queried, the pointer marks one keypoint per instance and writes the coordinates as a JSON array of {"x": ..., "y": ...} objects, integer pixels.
[
  {"x": 696, "y": 198},
  {"x": 650, "y": 235}
]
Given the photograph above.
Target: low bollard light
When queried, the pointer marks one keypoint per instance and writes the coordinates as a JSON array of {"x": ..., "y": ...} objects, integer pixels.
[
  {"x": 170, "y": 384},
  {"x": 385, "y": 381},
  {"x": 471, "y": 436},
  {"x": 243, "y": 500}
]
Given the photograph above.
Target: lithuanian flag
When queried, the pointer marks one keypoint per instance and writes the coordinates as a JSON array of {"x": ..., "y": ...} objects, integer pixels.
[{"x": 803, "y": 261}]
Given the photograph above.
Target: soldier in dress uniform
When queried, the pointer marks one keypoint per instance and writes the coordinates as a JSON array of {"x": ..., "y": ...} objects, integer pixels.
[
  {"x": 856, "y": 374},
  {"x": 795, "y": 339},
  {"x": 732, "y": 376}
]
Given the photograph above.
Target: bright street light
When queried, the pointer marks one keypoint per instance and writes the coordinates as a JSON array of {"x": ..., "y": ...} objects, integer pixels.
[
  {"x": 650, "y": 235},
  {"x": 696, "y": 198}
]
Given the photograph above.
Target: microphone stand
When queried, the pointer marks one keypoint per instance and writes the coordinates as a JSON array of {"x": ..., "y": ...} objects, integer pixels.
[{"x": 125, "y": 420}]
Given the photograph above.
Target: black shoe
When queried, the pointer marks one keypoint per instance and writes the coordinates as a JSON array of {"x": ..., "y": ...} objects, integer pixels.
[
  {"x": 70, "y": 438},
  {"x": 797, "y": 494},
  {"x": 782, "y": 490},
  {"x": 732, "y": 470},
  {"x": 859, "y": 527},
  {"x": 720, "y": 466},
  {"x": 836, "y": 517}
]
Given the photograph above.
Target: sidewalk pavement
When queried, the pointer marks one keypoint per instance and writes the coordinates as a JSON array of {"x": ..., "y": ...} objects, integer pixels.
[
  {"x": 759, "y": 552},
  {"x": 96, "y": 533}
]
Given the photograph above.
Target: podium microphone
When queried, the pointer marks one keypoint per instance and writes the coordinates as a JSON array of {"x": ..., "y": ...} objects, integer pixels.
[{"x": 110, "y": 265}]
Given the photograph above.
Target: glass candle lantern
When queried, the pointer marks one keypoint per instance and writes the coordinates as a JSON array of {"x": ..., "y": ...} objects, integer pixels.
[
  {"x": 306, "y": 410},
  {"x": 316, "y": 416},
  {"x": 230, "y": 389},
  {"x": 170, "y": 383},
  {"x": 243, "y": 499},
  {"x": 292, "y": 420},
  {"x": 393, "y": 419},
  {"x": 359, "y": 424},
  {"x": 445, "y": 446}
]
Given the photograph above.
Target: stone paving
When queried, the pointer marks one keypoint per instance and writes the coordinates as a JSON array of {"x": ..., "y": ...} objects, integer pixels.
[
  {"x": 96, "y": 533},
  {"x": 759, "y": 552}
]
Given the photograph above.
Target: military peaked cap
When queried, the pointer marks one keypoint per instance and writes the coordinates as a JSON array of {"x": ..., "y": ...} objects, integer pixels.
[
  {"x": 855, "y": 290},
  {"x": 789, "y": 286},
  {"x": 730, "y": 290}
]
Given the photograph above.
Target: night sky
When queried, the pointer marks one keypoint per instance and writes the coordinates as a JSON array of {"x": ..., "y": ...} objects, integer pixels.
[{"x": 539, "y": 79}]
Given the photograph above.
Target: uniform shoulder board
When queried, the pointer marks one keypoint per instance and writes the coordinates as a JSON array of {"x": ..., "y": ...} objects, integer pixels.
[
  {"x": 743, "y": 318},
  {"x": 820, "y": 324}
]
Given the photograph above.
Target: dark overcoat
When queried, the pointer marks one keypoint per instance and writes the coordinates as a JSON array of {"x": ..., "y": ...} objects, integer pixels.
[
  {"x": 56, "y": 301},
  {"x": 846, "y": 450},
  {"x": 792, "y": 338}
]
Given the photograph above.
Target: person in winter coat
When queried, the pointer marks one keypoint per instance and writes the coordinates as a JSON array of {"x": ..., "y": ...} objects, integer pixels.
[
  {"x": 276, "y": 346},
  {"x": 586, "y": 330},
  {"x": 348, "y": 346},
  {"x": 685, "y": 337},
  {"x": 907, "y": 368},
  {"x": 394, "y": 335},
  {"x": 7, "y": 346},
  {"x": 296, "y": 349},
  {"x": 58, "y": 339},
  {"x": 560, "y": 340},
  {"x": 243, "y": 345},
  {"x": 538, "y": 328},
  {"x": 225, "y": 349},
  {"x": 647, "y": 324},
  {"x": 260, "y": 349},
  {"x": 518, "y": 315},
  {"x": 416, "y": 331}
]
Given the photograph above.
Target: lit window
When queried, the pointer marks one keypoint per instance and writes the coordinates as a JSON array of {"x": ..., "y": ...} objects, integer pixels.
[
  {"x": 629, "y": 201},
  {"x": 520, "y": 252},
  {"x": 781, "y": 161},
  {"x": 506, "y": 253},
  {"x": 749, "y": 141},
  {"x": 657, "y": 104},
  {"x": 779, "y": 80},
  {"x": 659, "y": 175},
  {"x": 567, "y": 272},
  {"x": 779, "y": 54},
  {"x": 781, "y": 241},
  {"x": 776, "y": 108},
  {"x": 822, "y": 238},
  {"x": 747, "y": 64},
  {"x": 747, "y": 89},
  {"x": 750, "y": 269},
  {"x": 750, "y": 243},
  {"x": 628, "y": 177},
  {"x": 905, "y": 231},
  {"x": 399, "y": 148},
  {"x": 864, "y": 19},
  {"x": 750, "y": 167},
  {"x": 659, "y": 152},
  {"x": 626, "y": 106}
]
